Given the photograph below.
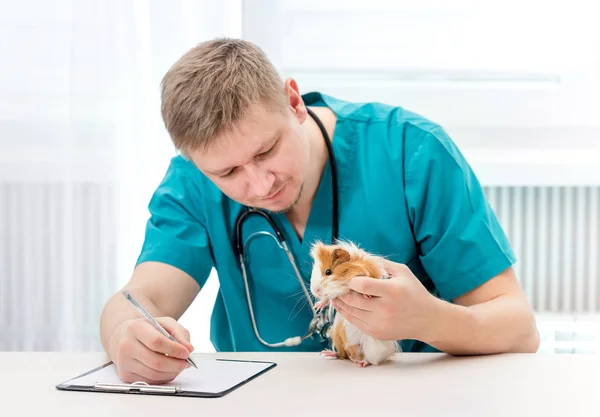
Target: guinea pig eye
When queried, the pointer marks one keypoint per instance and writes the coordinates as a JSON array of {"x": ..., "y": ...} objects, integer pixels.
[{"x": 328, "y": 272}]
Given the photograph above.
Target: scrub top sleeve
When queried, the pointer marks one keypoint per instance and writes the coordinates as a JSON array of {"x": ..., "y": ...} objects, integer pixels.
[
  {"x": 175, "y": 232},
  {"x": 462, "y": 244}
]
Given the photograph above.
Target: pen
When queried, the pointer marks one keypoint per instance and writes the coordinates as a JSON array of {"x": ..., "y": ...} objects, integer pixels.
[{"x": 152, "y": 321}]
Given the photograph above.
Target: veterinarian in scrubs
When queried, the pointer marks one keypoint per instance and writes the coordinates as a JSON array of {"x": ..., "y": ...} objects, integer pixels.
[{"x": 405, "y": 192}]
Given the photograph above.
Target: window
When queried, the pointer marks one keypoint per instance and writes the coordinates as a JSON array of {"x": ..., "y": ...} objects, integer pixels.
[{"x": 506, "y": 78}]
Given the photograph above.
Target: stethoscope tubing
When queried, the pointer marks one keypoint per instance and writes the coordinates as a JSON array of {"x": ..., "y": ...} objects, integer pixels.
[{"x": 240, "y": 247}]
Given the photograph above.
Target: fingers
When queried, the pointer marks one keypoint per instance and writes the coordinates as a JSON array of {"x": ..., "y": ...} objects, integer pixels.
[
  {"x": 379, "y": 287},
  {"x": 140, "y": 351},
  {"x": 157, "y": 361},
  {"x": 349, "y": 310},
  {"x": 177, "y": 331},
  {"x": 368, "y": 286},
  {"x": 395, "y": 269},
  {"x": 358, "y": 300},
  {"x": 157, "y": 342},
  {"x": 137, "y": 371},
  {"x": 130, "y": 377},
  {"x": 350, "y": 314}
]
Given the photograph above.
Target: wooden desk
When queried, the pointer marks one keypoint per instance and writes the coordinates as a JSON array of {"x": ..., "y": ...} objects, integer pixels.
[{"x": 306, "y": 385}]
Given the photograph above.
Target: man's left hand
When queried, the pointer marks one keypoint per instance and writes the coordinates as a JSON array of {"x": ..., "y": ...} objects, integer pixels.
[{"x": 393, "y": 309}]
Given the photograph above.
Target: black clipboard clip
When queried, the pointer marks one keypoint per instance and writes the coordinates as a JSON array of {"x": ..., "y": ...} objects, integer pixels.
[{"x": 138, "y": 386}]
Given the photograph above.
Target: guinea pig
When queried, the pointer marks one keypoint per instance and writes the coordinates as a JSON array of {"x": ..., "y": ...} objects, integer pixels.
[{"x": 333, "y": 267}]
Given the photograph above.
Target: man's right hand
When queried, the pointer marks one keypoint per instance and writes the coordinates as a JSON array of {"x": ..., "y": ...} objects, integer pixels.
[{"x": 139, "y": 351}]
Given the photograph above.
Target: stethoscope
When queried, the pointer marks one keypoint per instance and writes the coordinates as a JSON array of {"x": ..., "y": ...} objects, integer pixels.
[{"x": 320, "y": 325}]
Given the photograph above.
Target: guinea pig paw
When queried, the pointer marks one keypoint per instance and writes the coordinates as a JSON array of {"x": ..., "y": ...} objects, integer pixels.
[
  {"x": 320, "y": 305},
  {"x": 362, "y": 364},
  {"x": 328, "y": 353}
]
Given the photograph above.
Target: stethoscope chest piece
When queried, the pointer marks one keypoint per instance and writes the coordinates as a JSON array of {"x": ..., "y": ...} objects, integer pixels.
[{"x": 322, "y": 324}]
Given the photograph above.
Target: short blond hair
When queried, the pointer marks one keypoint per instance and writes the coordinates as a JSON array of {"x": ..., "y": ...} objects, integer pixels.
[{"x": 213, "y": 86}]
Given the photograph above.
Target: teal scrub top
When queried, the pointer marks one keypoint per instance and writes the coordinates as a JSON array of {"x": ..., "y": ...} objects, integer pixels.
[{"x": 405, "y": 192}]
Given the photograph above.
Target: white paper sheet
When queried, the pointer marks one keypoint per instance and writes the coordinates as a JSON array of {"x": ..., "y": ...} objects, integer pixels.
[{"x": 212, "y": 376}]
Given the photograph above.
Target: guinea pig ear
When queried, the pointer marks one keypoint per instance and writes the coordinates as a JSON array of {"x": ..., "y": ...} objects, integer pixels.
[{"x": 339, "y": 256}]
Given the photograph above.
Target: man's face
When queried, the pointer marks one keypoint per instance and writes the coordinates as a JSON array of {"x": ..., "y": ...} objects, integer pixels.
[{"x": 262, "y": 161}]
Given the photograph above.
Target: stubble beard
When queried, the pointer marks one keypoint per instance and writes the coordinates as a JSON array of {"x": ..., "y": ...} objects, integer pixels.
[{"x": 291, "y": 206}]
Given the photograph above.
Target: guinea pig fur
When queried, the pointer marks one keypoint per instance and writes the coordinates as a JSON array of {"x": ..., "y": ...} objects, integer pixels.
[{"x": 333, "y": 267}]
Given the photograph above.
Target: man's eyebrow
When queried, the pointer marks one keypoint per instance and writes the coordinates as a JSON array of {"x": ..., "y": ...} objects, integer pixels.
[{"x": 265, "y": 147}]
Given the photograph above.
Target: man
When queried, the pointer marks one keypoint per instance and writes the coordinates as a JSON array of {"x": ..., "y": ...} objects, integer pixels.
[{"x": 247, "y": 139}]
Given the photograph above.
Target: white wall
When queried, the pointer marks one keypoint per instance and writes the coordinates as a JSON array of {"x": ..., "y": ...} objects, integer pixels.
[{"x": 513, "y": 81}]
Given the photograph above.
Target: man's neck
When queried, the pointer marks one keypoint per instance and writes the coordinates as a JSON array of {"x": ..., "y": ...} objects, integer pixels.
[{"x": 318, "y": 154}]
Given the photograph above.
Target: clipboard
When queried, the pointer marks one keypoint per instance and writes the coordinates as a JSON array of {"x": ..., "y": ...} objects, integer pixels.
[{"x": 213, "y": 378}]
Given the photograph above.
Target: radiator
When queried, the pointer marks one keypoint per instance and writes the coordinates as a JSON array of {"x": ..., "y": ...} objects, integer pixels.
[
  {"x": 57, "y": 256},
  {"x": 555, "y": 232}
]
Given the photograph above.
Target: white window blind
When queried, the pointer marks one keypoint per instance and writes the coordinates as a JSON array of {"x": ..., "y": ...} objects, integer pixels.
[{"x": 508, "y": 79}]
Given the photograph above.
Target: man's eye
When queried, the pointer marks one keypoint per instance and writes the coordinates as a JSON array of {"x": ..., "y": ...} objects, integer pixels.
[
  {"x": 230, "y": 173},
  {"x": 267, "y": 152},
  {"x": 271, "y": 149}
]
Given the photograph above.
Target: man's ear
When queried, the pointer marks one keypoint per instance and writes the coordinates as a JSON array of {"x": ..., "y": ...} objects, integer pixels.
[{"x": 295, "y": 100}]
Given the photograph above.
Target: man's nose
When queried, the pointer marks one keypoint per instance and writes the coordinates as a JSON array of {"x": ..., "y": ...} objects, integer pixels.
[{"x": 261, "y": 181}]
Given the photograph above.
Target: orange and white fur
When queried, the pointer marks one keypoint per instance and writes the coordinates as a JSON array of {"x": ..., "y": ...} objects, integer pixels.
[{"x": 333, "y": 267}]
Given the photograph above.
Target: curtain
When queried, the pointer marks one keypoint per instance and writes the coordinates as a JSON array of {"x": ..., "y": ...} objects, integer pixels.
[{"x": 82, "y": 148}]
